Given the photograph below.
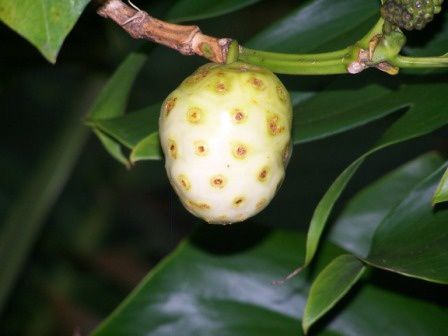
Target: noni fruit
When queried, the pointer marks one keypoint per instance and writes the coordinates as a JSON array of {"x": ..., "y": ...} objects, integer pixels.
[
  {"x": 226, "y": 136},
  {"x": 410, "y": 14}
]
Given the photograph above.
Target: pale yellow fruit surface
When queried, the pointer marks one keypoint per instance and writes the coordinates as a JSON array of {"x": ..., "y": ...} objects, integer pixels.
[{"x": 226, "y": 136}]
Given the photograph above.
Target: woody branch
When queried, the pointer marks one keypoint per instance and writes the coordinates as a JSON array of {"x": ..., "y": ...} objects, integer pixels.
[{"x": 188, "y": 40}]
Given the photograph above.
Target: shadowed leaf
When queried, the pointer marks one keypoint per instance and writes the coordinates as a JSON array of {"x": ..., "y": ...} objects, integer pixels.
[
  {"x": 44, "y": 23},
  {"x": 441, "y": 194},
  {"x": 220, "y": 282},
  {"x": 355, "y": 227},
  {"x": 191, "y": 10},
  {"x": 413, "y": 238},
  {"x": 330, "y": 286}
]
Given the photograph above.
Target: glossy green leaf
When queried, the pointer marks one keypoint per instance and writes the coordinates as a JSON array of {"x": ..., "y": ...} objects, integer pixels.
[
  {"x": 133, "y": 127},
  {"x": 441, "y": 194},
  {"x": 336, "y": 109},
  {"x": 355, "y": 227},
  {"x": 375, "y": 311},
  {"x": 26, "y": 218},
  {"x": 427, "y": 111},
  {"x": 330, "y": 286},
  {"x": 220, "y": 284},
  {"x": 112, "y": 147},
  {"x": 426, "y": 114},
  {"x": 324, "y": 208},
  {"x": 112, "y": 101},
  {"x": 318, "y": 25},
  {"x": 44, "y": 23},
  {"x": 332, "y": 112},
  {"x": 191, "y": 10},
  {"x": 147, "y": 149},
  {"x": 413, "y": 238}
]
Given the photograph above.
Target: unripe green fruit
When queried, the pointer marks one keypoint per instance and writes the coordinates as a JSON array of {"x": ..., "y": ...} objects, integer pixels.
[
  {"x": 410, "y": 14},
  {"x": 226, "y": 136}
]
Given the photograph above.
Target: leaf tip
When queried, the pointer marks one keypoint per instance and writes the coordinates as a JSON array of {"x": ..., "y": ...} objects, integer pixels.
[
  {"x": 132, "y": 160},
  {"x": 305, "y": 325},
  {"x": 51, "y": 58},
  {"x": 49, "y": 54}
]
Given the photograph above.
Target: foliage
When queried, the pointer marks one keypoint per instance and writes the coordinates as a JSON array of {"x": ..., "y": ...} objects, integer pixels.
[
  {"x": 219, "y": 280},
  {"x": 45, "y": 23}
]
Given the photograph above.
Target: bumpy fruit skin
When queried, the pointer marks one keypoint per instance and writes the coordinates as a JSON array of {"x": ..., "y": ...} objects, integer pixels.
[
  {"x": 410, "y": 14},
  {"x": 226, "y": 136}
]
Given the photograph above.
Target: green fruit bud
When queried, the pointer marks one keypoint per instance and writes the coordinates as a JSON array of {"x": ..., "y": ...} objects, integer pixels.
[{"x": 226, "y": 136}]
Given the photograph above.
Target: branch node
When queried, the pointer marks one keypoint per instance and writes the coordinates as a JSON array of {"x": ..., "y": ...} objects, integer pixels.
[{"x": 139, "y": 17}]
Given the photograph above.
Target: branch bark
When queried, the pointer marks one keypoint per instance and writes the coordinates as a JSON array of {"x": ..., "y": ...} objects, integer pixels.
[{"x": 188, "y": 40}]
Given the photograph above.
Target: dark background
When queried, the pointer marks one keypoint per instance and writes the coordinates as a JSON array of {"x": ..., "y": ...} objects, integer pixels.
[{"x": 111, "y": 225}]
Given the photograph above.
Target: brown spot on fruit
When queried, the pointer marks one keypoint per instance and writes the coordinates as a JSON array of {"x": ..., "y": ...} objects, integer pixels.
[
  {"x": 240, "y": 151},
  {"x": 198, "y": 205},
  {"x": 203, "y": 72},
  {"x": 274, "y": 127},
  {"x": 238, "y": 201},
  {"x": 218, "y": 181},
  {"x": 221, "y": 87},
  {"x": 261, "y": 204},
  {"x": 172, "y": 148},
  {"x": 198, "y": 75},
  {"x": 238, "y": 115},
  {"x": 263, "y": 174},
  {"x": 169, "y": 105},
  {"x": 200, "y": 148},
  {"x": 257, "y": 83},
  {"x": 184, "y": 182},
  {"x": 194, "y": 115}
]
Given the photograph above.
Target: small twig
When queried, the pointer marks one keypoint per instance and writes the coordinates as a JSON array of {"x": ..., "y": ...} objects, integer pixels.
[
  {"x": 188, "y": 40},
  {"x": 291, "y": 275}
]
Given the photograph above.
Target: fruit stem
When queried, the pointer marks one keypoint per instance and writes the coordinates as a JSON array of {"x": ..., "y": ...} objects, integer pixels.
[
  {"x": 328, "y": 63},
  {"x": 335, "y": 62},
  {"x": 246, "y": 52},
  {"x": 376, "y": 30},
  {"x": 420, "y": 62}
]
